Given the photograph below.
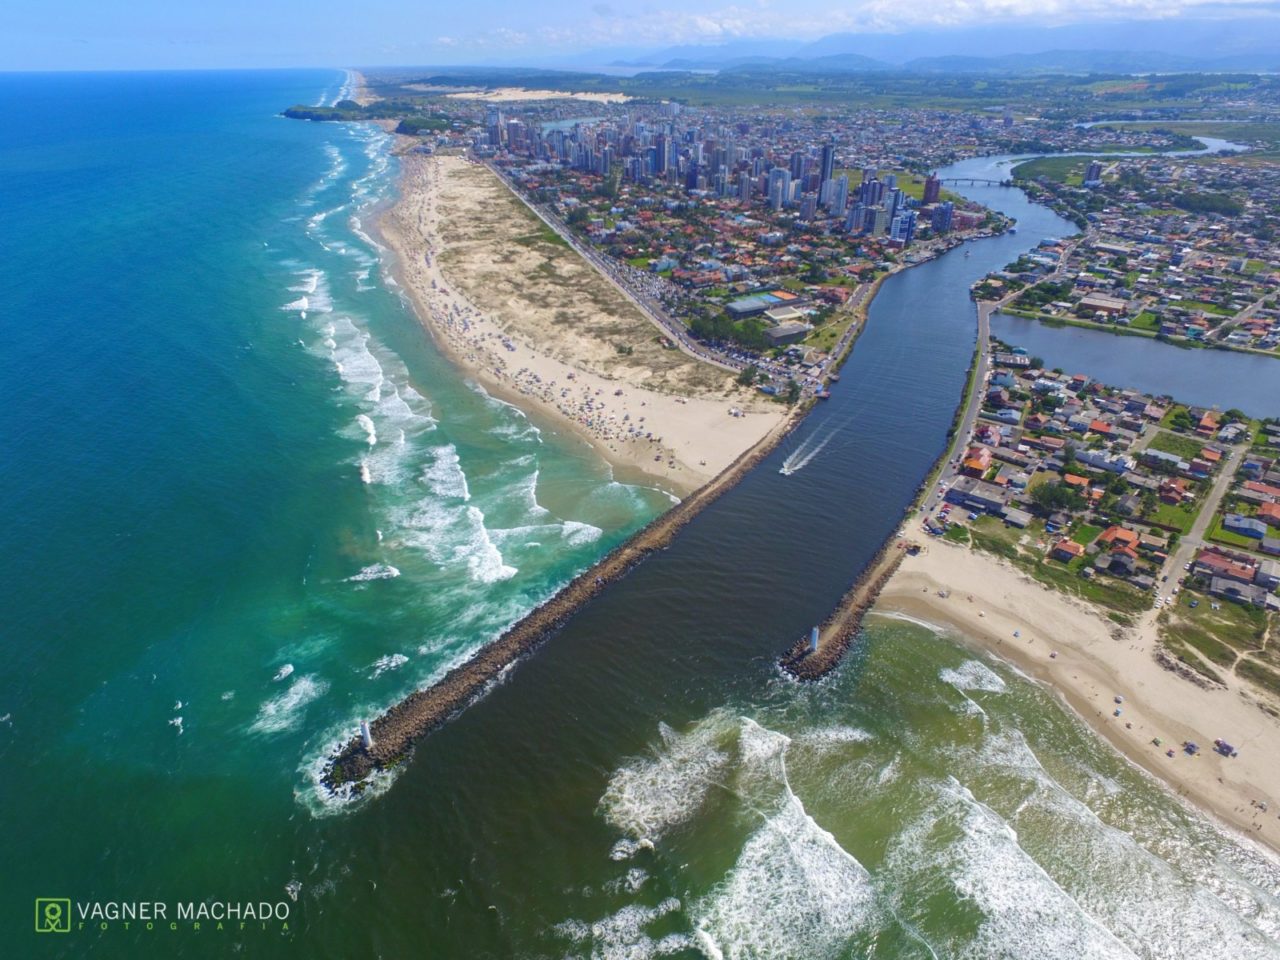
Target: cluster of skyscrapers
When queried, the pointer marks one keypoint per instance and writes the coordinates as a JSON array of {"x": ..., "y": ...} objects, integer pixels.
[{"x": 725, "y": 163}]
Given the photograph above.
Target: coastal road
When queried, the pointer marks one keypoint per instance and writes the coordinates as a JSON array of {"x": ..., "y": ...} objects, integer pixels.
[
  {"x": 972, "y": 401},
  {"x": 1193, "y": 540},
  {"x": 1189, "y": 545},
  {"x": 853, "y": 304}
]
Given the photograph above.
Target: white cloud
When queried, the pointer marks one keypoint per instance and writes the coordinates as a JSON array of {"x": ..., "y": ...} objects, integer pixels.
[{"x": 616, "y": 24}]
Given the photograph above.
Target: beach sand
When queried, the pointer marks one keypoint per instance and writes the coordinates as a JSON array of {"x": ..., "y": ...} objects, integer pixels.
[
  {"x": 522, "y": 94},
  {"x": 537, "y": 324},
  {"x": 987, "y": 600}
]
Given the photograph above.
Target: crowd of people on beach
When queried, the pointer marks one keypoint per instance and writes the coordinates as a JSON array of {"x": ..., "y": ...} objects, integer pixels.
[{"x": 607, "y": 414}]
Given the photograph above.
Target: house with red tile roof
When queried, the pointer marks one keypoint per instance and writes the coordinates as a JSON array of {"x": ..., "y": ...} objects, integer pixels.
[
  {"x": 1066, "y": 550},
  {"x": 1212, "y": 562},
  {"x": 1269, "y": 513},
  {"x": 1119, "y": 538}
]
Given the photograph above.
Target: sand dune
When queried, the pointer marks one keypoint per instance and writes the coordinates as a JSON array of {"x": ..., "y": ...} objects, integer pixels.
[{"x": 536, "y": 322}]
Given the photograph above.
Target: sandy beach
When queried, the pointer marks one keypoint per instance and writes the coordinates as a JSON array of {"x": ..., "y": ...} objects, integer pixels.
[
  {"x": 536, "y": 324},
  {"x": 522, "y": 95},
  {"x": 985, "y": 601}
]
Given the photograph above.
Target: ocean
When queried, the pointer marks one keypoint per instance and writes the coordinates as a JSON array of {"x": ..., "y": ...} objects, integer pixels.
[{"x": 251, "y": 504}]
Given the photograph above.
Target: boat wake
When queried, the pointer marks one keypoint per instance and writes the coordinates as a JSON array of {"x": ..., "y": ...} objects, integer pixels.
[{"x": 805, "y": 454}]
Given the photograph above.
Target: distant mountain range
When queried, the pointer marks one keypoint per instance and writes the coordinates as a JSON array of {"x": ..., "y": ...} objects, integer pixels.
[{"x": 1143, "y": 46}]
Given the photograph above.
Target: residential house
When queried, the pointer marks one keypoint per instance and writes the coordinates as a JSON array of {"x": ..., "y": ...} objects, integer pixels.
[
  {"x": 1066, "y": 550},
  {"x": 1242, "y": 593},
  {"x": 1245, "y": 526},
  {"x": 1269, "y": 513},
  {"x": 1212, "y": 562},
  {"x": 978, "y": 495},
  {"x": 1268, "y": 575}
]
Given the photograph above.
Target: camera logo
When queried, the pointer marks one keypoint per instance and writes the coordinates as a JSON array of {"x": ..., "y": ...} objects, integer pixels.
[{"x": 53, "y": 915}]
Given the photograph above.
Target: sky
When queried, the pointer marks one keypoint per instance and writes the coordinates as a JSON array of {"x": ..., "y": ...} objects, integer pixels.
[{"x": 167, "y": 34}]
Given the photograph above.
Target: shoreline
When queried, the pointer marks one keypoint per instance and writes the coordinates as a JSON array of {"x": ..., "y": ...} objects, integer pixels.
[
  {"x": 395, "y": 731},
  {"x": 1088, "y": 661},
  {"x": 651, "y": 412}
]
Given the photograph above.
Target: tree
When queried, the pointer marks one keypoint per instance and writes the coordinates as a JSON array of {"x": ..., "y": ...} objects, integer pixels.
[
  {"x": 748, "y": 376},
  {"x": 1057, "y": 496},
  {"x": 1181, "y": 420},
  {"x": 1149, "y": 502}
]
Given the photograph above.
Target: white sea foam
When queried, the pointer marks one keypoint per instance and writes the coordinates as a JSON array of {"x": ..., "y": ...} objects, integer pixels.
[
  {"x": 283, "y": 672},
  {"x": 366, "y": 425},
  {"x": 284, "y": 712},
  {"x": 393, "y": 661},
  {"x": 525, "y": 490},
  {"x": 578, "y": 534},
  {"x": 622, "y": 935},
  {"x": 310, "y": 281},
  {"x": 444, "y": 475},
  {"x": 1145, "y": 901},
  {"x": 484, "y": 561},
  {"x": 388, "y": 464},
  {"x": 375, "y": 571},
  {"x": 833, "y": 736},
  {"x": 630, "y": 882},
  {"x": 626, "y": 848},
  {"x": 973, "y": 675},
  {"x": 762, "y": 759},
  {"x": 318, "y": 799},
  {"x": 794, "y": 892},
  {"x": 650, "y": 795},
  {"x": 449, "y": 536},
  {"x": 388, "y": 406},
  {"x": 355, "y": 362},
  {"x": 962, "y": 844}
]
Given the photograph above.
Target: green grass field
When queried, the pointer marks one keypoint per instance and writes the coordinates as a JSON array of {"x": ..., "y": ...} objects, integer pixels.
[
  {"x": 1228, "y": 635},
  {"x": 1067, "y": 170},
  {"x": 1177, "y": 444},
  {"x": 1179, "y": 517},
  {"x": 1085, "y": 534}
]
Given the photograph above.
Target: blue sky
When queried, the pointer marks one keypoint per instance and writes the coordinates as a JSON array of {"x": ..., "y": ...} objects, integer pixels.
[{"x": 124, "y": 34}]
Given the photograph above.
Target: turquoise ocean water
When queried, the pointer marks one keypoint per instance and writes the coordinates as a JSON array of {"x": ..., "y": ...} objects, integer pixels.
[{"x": 245, "y": 492}]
